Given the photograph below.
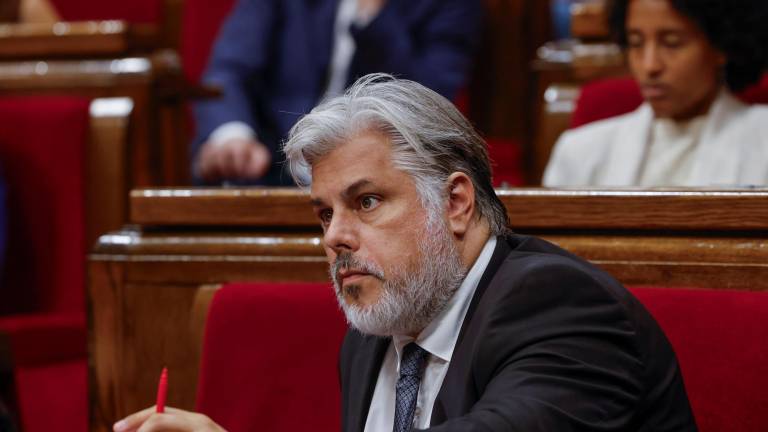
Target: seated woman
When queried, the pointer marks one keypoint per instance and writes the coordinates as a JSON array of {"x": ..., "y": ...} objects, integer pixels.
[{"x": 687, "y": 57}]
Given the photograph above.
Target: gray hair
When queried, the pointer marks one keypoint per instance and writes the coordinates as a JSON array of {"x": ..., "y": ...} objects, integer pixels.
[{"x": 430, "y": 139}]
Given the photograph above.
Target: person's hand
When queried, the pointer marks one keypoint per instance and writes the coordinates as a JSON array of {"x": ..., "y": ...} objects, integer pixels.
[
  {"x": 235, "y": 158},
  {"x": 367, "y": 9},
  {"x": 172, "y": 419}
]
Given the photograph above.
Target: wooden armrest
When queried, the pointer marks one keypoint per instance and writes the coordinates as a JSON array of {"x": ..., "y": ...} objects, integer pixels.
[{"x": 82, "y": 39}]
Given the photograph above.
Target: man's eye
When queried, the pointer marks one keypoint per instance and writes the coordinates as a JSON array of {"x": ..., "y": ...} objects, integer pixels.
[
  {"x": 369, "y": 202},
  {"x": 325, "y": 217}
]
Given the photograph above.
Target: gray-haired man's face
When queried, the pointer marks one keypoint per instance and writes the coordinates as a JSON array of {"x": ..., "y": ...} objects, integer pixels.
[{"x": 378, "y": 239}]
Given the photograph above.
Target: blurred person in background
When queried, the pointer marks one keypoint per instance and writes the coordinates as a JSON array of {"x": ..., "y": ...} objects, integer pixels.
[
  {"x": 687, "y": 57},
  {"x": 276, "y": 59}
]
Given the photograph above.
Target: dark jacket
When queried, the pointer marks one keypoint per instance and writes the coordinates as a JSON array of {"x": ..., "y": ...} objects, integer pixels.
[{"x": 549, "y": 343}]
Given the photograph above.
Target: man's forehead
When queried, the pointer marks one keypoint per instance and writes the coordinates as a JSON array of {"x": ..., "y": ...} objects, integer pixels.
[
  {"x": 341, "y": 187},
  {"x": 364, "y": 159}
]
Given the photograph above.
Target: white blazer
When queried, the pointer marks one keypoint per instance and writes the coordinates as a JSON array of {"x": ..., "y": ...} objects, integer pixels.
[{"x": 732, "y": 151}]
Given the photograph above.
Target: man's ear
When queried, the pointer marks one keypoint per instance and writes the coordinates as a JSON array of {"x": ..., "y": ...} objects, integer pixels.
[{"x": 461, "y": 203}]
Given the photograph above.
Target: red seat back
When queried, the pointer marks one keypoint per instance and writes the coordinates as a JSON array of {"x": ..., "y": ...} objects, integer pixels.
[
  {"x": 721, "y": 341},
  {"x": 270, "y": 358},
  {"x": 42, "y": 149},
  {"x": 135, "y": 11},
  {"x": 506, "y": 161},
  {"x": 201, "y": 21},
  {"x": 616, "y": 96}
]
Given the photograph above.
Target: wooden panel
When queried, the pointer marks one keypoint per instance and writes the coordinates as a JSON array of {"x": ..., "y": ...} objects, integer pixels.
[
  {"x": 107, "y": 176},
  {"x": 686, "y": 261},
  {"x": 253, "y": 206},
  {"x": 589, "y": 20},
  {"x": 85, "y": 39},
  {"x": 137, "y": 330},
  {"x": 212, "y": 258},
  {"x": 689, "y": 209},
  {"x": 682, "y": 209}
]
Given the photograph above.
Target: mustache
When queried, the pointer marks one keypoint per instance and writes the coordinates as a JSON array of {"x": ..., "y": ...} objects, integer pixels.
[{"x": 346, "y": 261}]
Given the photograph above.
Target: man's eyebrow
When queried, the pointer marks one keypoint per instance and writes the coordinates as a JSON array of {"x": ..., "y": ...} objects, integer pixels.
[
  {"x": 353, "y": 189},
  {"x": 317, "y": 202},
  {"x": 346, "y": 194}
]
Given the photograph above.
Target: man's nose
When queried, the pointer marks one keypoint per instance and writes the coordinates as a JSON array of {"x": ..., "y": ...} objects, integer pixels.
[{"x": 341, "y": 233}]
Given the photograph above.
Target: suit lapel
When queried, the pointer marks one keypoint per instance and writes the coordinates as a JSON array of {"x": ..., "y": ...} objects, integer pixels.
[
  {"x": 500, "y": 253},
  {"x": 366, "y": 370}
]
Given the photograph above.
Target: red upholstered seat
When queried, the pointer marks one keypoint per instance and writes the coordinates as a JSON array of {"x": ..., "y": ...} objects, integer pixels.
[
  {"x": 616, "y": 96},
  {"x": 201, "y": 20},
  {"x": 42, "y": 302},
  {"x": 721, "y": 341},
  {"x": 506, "y": 161},
  {"x": 606, "y": 98},
  {"x": 136, "y": 11},
  {"x": 271, "y": 349},
  {"x": 270, "y": 358}
]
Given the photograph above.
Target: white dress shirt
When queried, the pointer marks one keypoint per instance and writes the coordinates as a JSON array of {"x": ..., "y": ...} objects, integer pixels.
[{"x": 438, "y": 339}]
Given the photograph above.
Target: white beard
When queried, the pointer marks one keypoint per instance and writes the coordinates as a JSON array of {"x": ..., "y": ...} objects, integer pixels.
[{"x": 410, "y": 298}]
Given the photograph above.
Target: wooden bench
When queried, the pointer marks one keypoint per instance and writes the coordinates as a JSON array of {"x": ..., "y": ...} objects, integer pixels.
[{"x": 150, "y": 284}]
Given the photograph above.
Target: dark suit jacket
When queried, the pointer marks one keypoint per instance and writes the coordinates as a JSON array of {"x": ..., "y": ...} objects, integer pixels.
[
  {"x": 272, "y": 57},
  {"x": 549, "y": 343}
]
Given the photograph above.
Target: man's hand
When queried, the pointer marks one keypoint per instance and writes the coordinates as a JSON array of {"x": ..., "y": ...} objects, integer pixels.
[
  {"x": 235, "y": 159},
  {"x": 172, "y": 419},
  {"x": 368, "y": 9}
]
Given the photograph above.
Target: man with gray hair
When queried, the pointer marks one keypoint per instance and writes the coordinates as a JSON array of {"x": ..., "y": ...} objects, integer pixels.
[{"x": 456, "y": 323}]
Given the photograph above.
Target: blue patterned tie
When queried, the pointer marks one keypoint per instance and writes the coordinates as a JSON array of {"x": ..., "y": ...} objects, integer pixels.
[{"x": 407, "y": 389}]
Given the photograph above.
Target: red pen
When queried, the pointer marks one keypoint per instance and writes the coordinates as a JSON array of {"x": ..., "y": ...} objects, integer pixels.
[{"x": 162, "y": 390}]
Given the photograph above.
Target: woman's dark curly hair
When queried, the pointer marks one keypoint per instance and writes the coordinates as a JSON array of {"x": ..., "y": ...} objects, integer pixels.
[{"x": 738, "y": 28}]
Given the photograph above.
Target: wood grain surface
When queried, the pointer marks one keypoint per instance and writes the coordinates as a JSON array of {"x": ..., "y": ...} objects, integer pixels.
[
  {"x": 530, "y": 208},
  {"x": 83, "y": 39}
]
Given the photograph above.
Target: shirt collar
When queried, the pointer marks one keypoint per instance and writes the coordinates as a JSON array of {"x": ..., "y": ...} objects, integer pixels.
[{"x": 439, "y": 337}]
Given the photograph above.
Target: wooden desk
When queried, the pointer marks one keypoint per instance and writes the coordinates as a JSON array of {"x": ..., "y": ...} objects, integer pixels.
[{"x": 150, "y": 283}]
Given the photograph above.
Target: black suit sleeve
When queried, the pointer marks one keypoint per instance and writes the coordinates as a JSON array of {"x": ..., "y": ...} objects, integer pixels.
[{"x": 556, "y": 351}]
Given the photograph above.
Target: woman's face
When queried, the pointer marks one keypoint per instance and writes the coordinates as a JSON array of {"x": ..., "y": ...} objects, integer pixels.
[{"x": 678, "y": 70}]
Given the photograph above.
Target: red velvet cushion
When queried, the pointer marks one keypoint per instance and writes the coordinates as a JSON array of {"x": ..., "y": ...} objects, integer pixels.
[
  {"x": 37, "y": 339},
  {"x": 606, "y": 98},
  {"x": 721, "y": 341},
  {"x": 270, "y": 358},
  {"x": 611, "y": 97},
  {"x": 757, "y": 94},
  {"x": 506, "y": 161},
  {"x": 201, "y": 21},
  {"x": 42, "y": 150},
  {"x": 42, "y": 147},
  {"x": 134, "y": 11},
  {"x": 53, "y": 397}
]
